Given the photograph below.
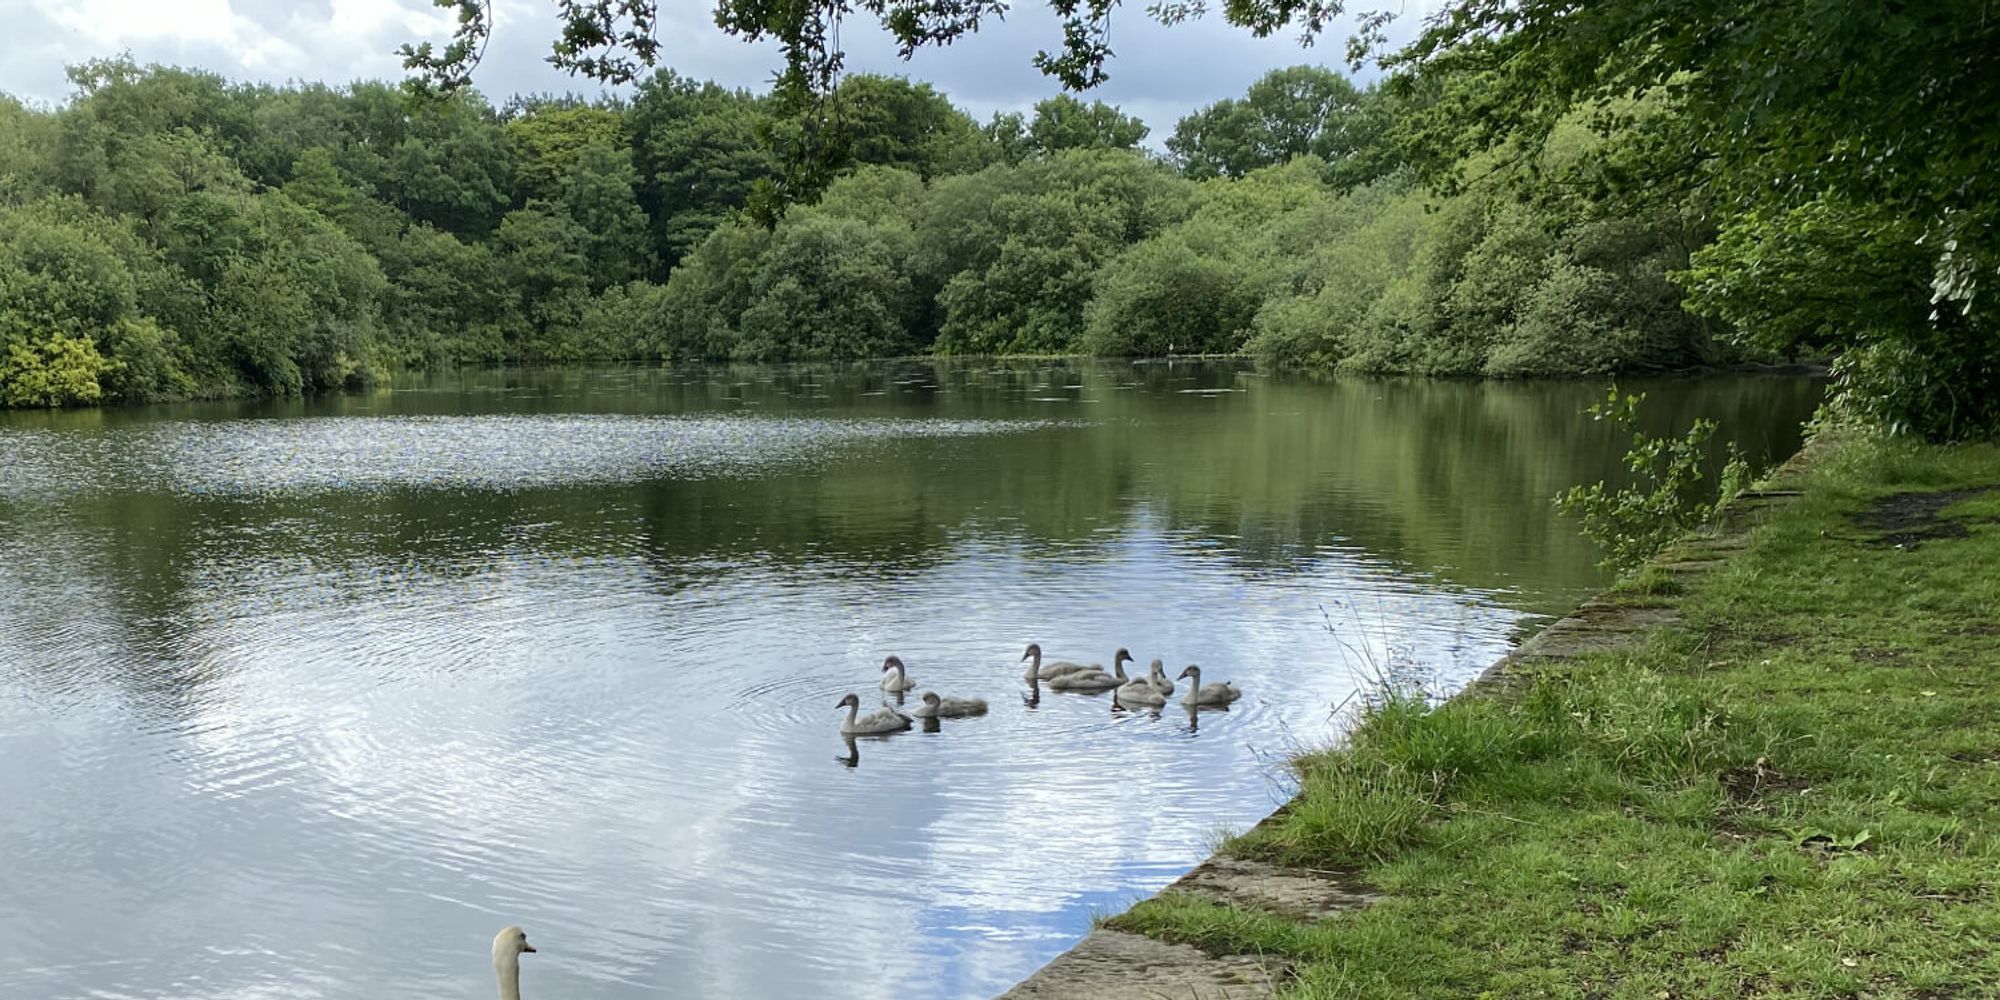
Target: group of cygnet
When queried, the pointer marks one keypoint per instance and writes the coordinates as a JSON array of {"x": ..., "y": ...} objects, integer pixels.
[
  {"x": 1149, "y": 691},
  {"x": 887, "y": 719}
]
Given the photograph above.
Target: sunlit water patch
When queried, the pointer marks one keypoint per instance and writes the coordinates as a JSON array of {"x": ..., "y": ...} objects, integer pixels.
[{"x": 458, "y": 452}]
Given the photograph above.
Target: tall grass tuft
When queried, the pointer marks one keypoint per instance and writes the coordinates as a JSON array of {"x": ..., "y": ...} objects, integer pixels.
[{"x": 1406, "y": 756}]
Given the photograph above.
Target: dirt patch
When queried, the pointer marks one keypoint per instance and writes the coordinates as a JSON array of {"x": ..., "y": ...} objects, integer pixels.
[
  {"x": 1953, "y": 897},
  {"x": 1879, "y": 656},
  {"x": 1907, "y": 520},
  {"x": 1719, "y": 632},
  {"x": 1760, "y": 780}
]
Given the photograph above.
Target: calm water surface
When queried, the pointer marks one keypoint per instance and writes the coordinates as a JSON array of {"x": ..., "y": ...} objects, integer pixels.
[{"x": 308, "y": 699}]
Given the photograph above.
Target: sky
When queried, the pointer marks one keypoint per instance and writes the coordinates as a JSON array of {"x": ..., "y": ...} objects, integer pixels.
[{"x": 1158, "y": 73}]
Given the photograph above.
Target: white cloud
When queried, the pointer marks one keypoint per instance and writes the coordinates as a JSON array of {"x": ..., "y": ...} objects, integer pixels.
[{"x": 1159, "y": 73}]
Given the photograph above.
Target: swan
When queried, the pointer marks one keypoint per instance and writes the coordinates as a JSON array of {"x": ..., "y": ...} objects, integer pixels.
[
  {"x": 507, "y": 948},
  {"x": 1150, "y": 691},
  {"x": 900, "y": 680},
  {"x": 1093, "y": 679},
  {"x": 882, "y": 720},
  {"x": 1211, "y": 694},
  {"x": 1050, "y": 671},
  {"x": 1140, "y": 692},
  {"x": 935, "y": 707}
]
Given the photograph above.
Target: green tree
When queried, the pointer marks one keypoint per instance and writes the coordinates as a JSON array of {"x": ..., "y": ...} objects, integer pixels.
[
  {"x": 698, "y": 154},
  {"x": 1014, "y": 250},
  {"x": 439, "y": 162},
  {"x": 27, "y": 151},
  {"x": 544, "y": 262},
  {"x": 708, "y": 293},
  {"x": 1007, "y": 134},
  {"x": 447, "y": 299},
  {"x": 828, "y": 288},
  {"x": 1887, "y": 107},
  {"x": 1831, "y": 273},
  {"x": 1063, "y": 122},
  {"x": 890, "y": 121},
  {"x": 1301, "y": 111},
  {"x": 1188, "y": 291},
  {"x": 292, "y": 299},
  {"x": 69, "y": 274},
  {"x": 546, "y": 142},
  {"x": 600, "y": 196}
]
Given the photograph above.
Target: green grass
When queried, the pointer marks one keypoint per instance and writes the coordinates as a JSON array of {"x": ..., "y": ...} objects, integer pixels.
[{"x": 1794, "y": 793}]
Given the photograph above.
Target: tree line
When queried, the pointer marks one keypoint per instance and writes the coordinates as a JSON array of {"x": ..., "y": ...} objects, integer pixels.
[
  {"x": 1841, "y": 154},
  {"x": 168, "y": 234}
]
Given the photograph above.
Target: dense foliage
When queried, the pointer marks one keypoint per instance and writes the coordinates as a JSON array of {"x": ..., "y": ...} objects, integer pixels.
[
  {"x": 1844, "y": 151},
  {"x": 168, "y": 234},
  {"x": 1838, "y": 155},
  {"x": 1836, "y": 158}
]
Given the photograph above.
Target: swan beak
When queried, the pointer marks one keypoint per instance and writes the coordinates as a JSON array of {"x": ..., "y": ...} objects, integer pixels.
[{"x": 525, "y": 946}]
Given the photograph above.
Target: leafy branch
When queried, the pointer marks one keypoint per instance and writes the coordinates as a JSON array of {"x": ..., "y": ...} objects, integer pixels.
[{"x": 1666, "y": 501}]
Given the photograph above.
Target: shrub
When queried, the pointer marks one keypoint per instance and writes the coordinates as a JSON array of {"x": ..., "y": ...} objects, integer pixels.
[
  {"x": 148, "y": 365},
  {"x": 1667, "y": 501},
  {"x": 1188, "y": 291},
  {"x": 57, "y": 371}
]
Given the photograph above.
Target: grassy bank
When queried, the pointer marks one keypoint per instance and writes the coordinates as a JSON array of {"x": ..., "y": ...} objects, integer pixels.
[{"x": 1791, "y": 792}]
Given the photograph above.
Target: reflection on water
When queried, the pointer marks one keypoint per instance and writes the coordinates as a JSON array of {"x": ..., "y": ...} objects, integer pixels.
[{"x": 307, "y": 699}]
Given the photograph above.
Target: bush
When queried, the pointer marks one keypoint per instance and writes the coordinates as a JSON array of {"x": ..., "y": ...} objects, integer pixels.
[
  {"x": 828, "y": 288},
  {"x": 620, "y": 323},
  {"x": 57, "y": 371},
  {"x": 1667, "y": 502},
  {"x": 1188, "y": 291},
  {"x": 149, "y": 365}
]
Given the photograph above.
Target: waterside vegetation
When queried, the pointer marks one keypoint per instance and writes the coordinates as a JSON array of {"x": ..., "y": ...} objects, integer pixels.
[{"x": 1790, "y": 791}]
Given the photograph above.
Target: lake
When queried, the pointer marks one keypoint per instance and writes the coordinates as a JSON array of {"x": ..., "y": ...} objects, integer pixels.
[{"x": 309, "y": 698}]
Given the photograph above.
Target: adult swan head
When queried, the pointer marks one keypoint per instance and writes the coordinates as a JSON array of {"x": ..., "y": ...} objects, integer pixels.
[{"x": 508, "y": 945}]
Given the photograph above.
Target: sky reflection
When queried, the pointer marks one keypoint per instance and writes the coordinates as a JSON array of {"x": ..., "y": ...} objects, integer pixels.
[{"x": 316, "y": 719}]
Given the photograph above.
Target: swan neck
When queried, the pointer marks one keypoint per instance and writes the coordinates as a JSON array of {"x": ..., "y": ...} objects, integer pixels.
[
  {"x": 852, "y": 711},
  {"x": 508, "y": 968}
]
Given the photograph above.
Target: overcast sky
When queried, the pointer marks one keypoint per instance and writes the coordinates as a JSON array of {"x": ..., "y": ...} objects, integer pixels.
[{"x": 1159, "y": 73}]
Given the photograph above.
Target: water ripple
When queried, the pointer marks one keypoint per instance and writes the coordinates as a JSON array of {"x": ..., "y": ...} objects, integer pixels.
[
  {"x": 505, "y": 452},
  {"x": 310, "y": 707}
]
